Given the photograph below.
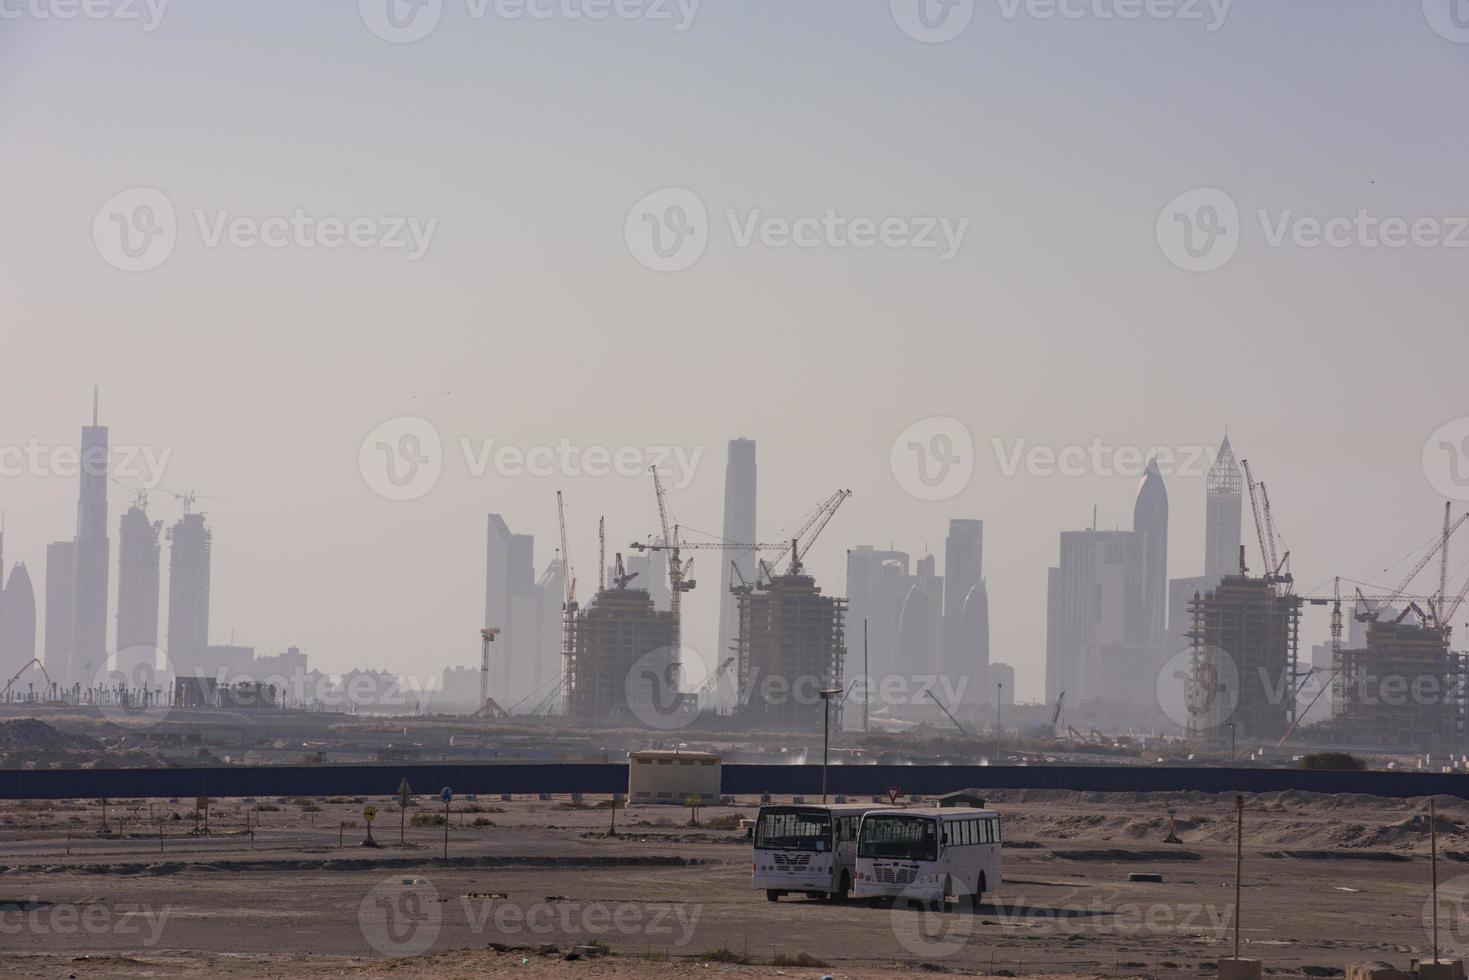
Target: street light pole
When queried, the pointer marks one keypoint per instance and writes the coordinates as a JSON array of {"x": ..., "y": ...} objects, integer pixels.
[{"x": 826, "y": 697}]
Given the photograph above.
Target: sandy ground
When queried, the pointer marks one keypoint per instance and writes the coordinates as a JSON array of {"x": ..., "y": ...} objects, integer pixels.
[{"x": 1328, "y": 881}]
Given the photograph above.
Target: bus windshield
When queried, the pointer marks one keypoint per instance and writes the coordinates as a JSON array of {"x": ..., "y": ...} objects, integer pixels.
[
  {"x": 894, "y": 836},
  {"x": 793, "y": 829}
]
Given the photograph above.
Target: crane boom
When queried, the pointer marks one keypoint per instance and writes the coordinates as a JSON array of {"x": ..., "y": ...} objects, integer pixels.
[
  {"x": 935, "y": 698},
  {"x": 1259, "y": 518}
]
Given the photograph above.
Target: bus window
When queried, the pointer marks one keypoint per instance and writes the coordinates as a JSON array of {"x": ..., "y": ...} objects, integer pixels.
[
  {"x": 793, "y": 830},
  {"x": 904, "y": 837}
]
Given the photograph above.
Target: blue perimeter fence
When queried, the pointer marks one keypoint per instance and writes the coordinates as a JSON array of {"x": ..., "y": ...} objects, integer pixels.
[{"x": 741, "y": 780}]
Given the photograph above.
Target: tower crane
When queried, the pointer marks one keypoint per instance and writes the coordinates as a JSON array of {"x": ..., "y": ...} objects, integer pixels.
[{"x": 1276, "y": 568}]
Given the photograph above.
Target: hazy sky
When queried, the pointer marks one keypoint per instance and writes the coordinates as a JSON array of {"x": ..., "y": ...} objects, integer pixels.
[{"x": 521, "y": 145}]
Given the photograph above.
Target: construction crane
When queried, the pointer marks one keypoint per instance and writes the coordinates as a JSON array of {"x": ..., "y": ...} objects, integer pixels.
[
  {"x": 935, "y": 699},
  {"x": 568, "y": 605},
  {"x": 1276, "y": 569},
  {"x": 709, "y": 685},
  {"x": 1056, "y": 715},
  {"x": 620, "y": 575},
  {"x": 487, "y": 705},
  {"x": 602, "y": 554},
  {"x": 34, "y": 662}
]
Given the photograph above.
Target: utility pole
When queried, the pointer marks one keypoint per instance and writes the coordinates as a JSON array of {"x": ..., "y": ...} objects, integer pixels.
[
  {"x": 1239, "y": 851},
  {"x": 826, "y": 697},
  {"x": 866, "y": 677}
]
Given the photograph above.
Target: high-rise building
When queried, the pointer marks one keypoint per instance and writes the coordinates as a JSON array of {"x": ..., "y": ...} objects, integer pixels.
[
  {"x": 89, "y": 656},
  {"x": 878, "y": 582},
  {"x": 621, "y": 639},
  {"x": 1244, "y": 671},
  {"x": 920, "y": 624},
  {"x": 1001, "y": 689},
  {"x": 974, "y": 640},
  {"x": 513, "y": 605},
  {"x": 191, "y": 546},
  {"x": 1095, "y": 608},
  {"x": 17, "y": 622},
  {"x": 1224, "y": 496},
  {"x": 965, "y": 651},
  {"x": 61, "y": 597},
  {"x": 1150, "y": 523},
  {"x": 138, "y": 581},
  {"x": 739, "y": 528},
  {"x": 792, "y": 646}
]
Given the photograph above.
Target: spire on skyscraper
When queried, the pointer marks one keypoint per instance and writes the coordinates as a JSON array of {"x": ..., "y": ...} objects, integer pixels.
[{"x": 1225, "y": 475}]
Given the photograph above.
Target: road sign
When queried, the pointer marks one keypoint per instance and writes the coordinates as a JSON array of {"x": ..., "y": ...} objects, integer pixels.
[
  {"x": 893, "y": 793},
  {"x": 446, "y": 794},
  {"x": 369, "y": 813},
  {"x": 403, "y": 793}
]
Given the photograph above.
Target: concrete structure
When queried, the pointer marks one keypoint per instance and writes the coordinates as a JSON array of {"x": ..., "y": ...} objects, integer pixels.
[
  {"x": 674, "y": 777},
  {"x": 89, "y": 640},
  {"x": 740, "y": 483},
  {"x": 138, "y": 582},
  {"x": 920, "y": 623},
  {"x": 792, "y": 645},
  {"x": 625, "y": 667},
  {"x": 974, "y": 639},
  {"x": 1150, "y": 523},
  {"x": 190, "y": 556},
  {"x": 17, "y": 623},
  {"x": 61, "y": 595},
  {"x": 1404, "y": 689},
  {"x": 1246, "y": 639},
  {"x": 1224, "y": 513}
]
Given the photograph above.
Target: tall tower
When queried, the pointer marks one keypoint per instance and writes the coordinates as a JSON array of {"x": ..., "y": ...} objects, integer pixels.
[
  {"x": 92, "y": 555},
  {"x": 138, "y": 573},
  {"x": 1150, "y": 522},
  {"x": 963, "y": 570},
  {"x": 191, "y": 546},
  {"x": 739, "y": 527},
  {"x": 513, "y": 605},
  {"x": 1224, "y": 489}
]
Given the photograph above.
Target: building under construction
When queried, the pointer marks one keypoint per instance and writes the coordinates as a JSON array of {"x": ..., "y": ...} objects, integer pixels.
[
  {"x": 622, "y": 647},
  {"x": 1405, "y": 688},
  {"x": 1245, "y": 636},
  {"x": 792, "y": 645}
]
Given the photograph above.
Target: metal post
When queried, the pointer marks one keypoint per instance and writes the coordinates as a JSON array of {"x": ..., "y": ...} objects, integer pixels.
[
  {"x": 1239, "y": 850},
  {"x": 446, "y": 830},
  {"x": 402, "y": 824},
  {"x": 866, "y": 677},
  {"x": 825, "y": 741}
]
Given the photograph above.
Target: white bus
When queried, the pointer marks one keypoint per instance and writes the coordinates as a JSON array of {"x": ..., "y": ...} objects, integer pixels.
[
  {"x": 806, "y": 848},
  {"x": 925, "y": 855}
]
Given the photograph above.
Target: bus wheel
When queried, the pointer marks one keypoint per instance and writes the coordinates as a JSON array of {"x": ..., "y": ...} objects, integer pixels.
[
  {"x": 771, "y": 895},
  {"x": 875, "y": 903}
]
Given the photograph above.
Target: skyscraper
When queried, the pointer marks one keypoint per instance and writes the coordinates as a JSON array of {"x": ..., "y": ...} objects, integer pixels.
[
  {"x": 1094, "y": 609},
  {"x": 739, "y": 527},
  {"x": 920, "y": 624},
  {"x": 138, "y": 574},
  {"x": 61, "y": 597},
  {"x": 1150, "y": 523},
  {"x": 191, "y": 546},
  {"x": 963, "y": 571},
  {"x": 513, "y": 605},
  {"x": 92, "y": 555},
  {"x": 17, "y": 622},
  {"x": 877, "y": 586},
  {"x": 1224, "y": 493}
]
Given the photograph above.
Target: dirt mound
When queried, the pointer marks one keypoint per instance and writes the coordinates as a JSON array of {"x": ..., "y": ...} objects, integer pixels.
[{"x": 24, "y": 734}]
